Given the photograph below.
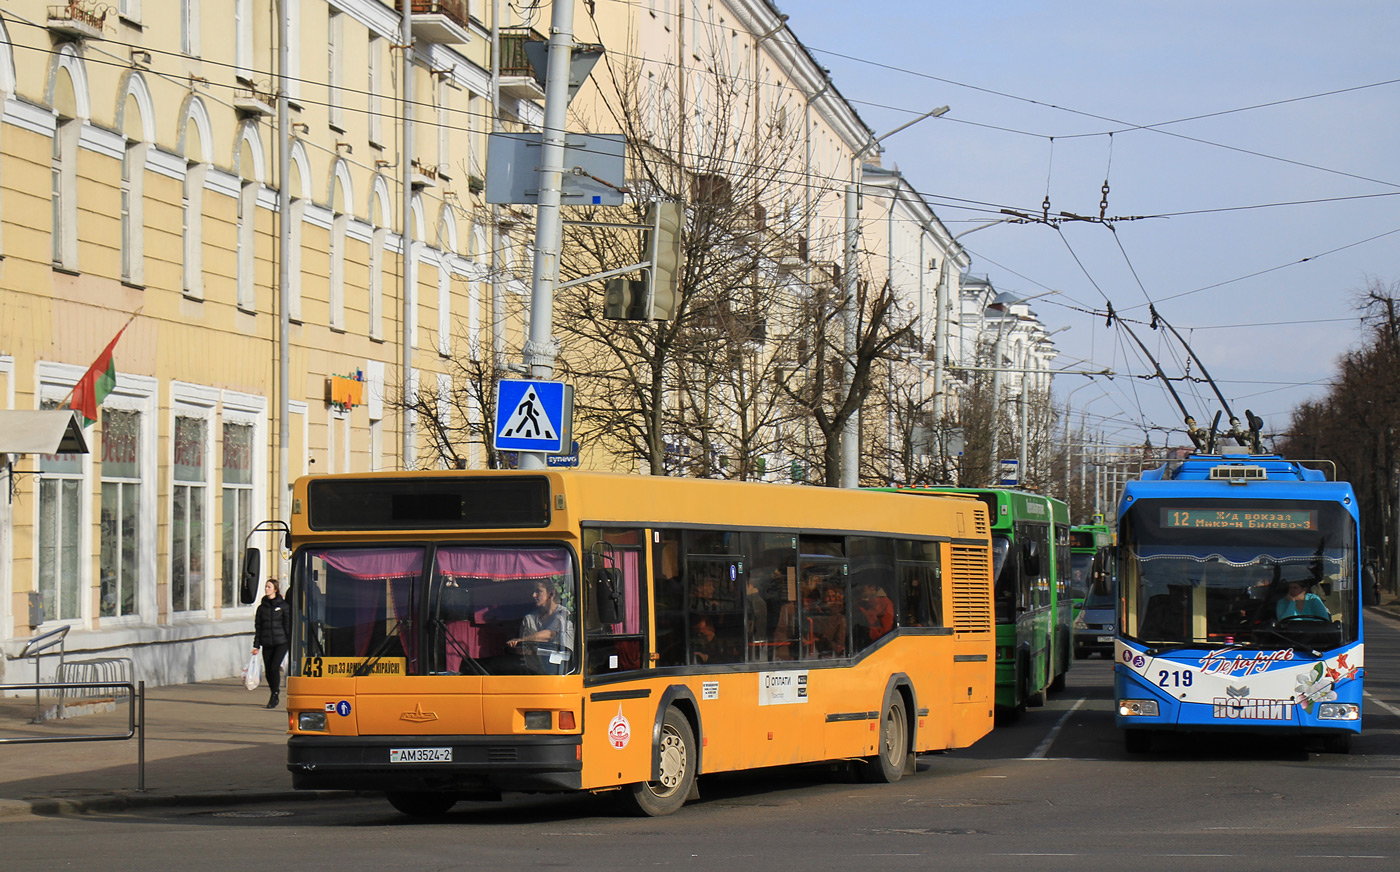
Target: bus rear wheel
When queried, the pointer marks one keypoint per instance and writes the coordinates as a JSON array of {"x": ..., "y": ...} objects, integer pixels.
[
  {"x": 887, "y": 766},
  {"x": 669, "y": 792},
  {"x": 421, "y": 803}
]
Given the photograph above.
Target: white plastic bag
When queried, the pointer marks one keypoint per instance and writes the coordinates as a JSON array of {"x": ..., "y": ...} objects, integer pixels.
[{"x": 252, "y": 673}]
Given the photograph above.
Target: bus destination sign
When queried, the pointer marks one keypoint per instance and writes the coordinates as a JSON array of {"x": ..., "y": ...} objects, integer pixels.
[{"x": 1239, "y": 519}]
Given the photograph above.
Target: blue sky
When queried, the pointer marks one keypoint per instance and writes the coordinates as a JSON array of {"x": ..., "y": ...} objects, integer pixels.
[{"x": 1017, "y": 74}]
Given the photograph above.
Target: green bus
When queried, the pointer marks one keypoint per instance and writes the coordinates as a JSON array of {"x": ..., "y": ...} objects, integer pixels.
[
  {"x": 1034, "y": 609},
  {"x": 1085, "y": 541}
]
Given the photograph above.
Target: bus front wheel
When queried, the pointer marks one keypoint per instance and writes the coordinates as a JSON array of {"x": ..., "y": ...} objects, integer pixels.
[
  {"x": 887, "y": 766},
  {"x": 421, "y": 803},
  {"x": 669, "y": 792}
]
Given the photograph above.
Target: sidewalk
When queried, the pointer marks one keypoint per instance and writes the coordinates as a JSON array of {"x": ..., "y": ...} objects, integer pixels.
[{"x": 207, "y": 743}]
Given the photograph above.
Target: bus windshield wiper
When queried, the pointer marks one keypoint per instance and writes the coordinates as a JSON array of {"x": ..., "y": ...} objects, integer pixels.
[
  {"x": 1288, "y": 641},
  {"x": 367, "y": 665}
]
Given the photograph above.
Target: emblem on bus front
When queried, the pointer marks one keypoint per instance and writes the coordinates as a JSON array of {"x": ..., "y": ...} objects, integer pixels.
[{"x": 418, "y": 716}]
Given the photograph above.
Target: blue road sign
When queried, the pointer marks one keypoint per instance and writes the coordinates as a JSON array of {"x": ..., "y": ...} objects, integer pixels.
[{"x": 532, "y": 416}]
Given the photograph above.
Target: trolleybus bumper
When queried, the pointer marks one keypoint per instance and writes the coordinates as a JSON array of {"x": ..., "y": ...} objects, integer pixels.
[{"x": 478, "y": 763}]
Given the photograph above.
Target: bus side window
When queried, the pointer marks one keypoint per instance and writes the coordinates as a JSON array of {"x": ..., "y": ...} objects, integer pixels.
[
  {"x": 615, "y": 607},
  {"x": 669, "y": 589}
]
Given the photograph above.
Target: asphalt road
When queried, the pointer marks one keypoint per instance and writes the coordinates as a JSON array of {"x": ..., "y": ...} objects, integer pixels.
[{"x": 1055, "y": 790}]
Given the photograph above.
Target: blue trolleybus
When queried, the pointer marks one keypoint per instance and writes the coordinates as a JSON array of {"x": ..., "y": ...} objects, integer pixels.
[{"x": 1239, "y": 606}]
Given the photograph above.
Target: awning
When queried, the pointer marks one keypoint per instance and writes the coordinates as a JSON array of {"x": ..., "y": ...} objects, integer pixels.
[{"x": 49, "y": 432}]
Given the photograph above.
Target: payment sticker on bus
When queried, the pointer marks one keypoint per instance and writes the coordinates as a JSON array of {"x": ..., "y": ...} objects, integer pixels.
[{"x": 420, "y": 755}]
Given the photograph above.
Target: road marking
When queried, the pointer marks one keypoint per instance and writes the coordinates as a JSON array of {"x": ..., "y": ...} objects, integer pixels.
[
  {"x": 1385, "y": 705},
  {"x": 1044, "y": 746}
]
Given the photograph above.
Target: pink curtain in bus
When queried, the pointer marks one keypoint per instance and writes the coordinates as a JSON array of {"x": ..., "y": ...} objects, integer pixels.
[
  {"x": 388, "y": 577},
  {"x": 503, "y": 564}
]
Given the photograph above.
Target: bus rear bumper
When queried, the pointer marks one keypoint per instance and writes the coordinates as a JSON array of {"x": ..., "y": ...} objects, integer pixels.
[{"x": 477, "y": 765}]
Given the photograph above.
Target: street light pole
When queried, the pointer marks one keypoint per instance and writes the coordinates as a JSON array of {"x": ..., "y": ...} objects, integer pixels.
[{"x": 850, "y": 435}]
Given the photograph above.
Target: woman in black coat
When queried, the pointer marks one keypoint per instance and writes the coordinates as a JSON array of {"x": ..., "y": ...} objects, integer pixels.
[{"x": 272, "y": 632}]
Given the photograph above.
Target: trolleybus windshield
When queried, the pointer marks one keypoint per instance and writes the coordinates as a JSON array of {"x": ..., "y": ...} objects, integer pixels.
[{"x": 1235, "y": 573}]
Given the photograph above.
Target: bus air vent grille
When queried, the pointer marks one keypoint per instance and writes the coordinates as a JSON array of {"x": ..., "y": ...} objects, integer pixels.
[
  {"x": 502, "y": 755},
  {"x": 972, "y": 603}
]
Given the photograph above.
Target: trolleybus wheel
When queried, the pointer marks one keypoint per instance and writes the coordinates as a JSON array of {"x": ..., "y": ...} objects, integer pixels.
[
  {"x": 887, "y": 766},
  {"x": 1337, "y": 743},
  {"x": 421, "y": 803},
  {"x": 677, "y": 752}
]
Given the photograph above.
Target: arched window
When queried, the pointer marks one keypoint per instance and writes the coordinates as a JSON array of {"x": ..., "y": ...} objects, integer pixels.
[
  {"x": 137, "y": 124},
  {"x": 251, "y": 168},
  {"x": 410, "y": 270},
  {"x": 297, "y": 187},
  {"x": 342, "y": 205},
  {"x": 68, "y": 96},
  {"x": 379, "y": 217},
  {"x": 195, "y": 143}
]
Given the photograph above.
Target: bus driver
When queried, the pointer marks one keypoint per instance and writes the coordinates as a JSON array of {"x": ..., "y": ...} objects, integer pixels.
[{"x": 546, "y": 634}]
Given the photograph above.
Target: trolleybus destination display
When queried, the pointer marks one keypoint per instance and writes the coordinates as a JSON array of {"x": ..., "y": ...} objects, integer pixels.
[{"x": 1231, "y": 519}]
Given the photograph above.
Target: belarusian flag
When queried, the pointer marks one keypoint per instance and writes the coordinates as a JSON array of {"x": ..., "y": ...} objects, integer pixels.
[{"x": 96, "y": 383}]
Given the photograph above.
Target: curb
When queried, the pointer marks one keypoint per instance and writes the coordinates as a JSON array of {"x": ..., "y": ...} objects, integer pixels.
[{"x": 125, "y": 801}]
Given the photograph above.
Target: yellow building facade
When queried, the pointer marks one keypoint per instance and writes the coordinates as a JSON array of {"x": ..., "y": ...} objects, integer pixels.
[{"x": 139, "y": 189}]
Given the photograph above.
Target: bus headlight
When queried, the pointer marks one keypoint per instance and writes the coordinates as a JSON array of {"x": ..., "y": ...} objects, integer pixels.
[
  {"x": 311, "y": 722},
  {"x": 1145, "y": 708},
  {"x": 1079, "y": 624},
  {"x": 539, "y": 720},
  {"x": 1339, "y": 711}
]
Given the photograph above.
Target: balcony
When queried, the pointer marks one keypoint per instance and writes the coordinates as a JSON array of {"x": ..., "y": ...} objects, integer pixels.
[
  {"x": 517, "y": 74},
  {"x": 75, "y": 21},
  {"x": 439, "y": 21},
  {"x": 250, "y": 101}
]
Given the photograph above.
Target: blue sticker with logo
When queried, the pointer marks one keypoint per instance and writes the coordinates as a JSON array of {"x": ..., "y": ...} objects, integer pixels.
[{"x": 342, "y": 708}]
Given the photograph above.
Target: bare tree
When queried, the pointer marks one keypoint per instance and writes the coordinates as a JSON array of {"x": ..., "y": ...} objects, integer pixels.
[{"x": 678, "y": 395}]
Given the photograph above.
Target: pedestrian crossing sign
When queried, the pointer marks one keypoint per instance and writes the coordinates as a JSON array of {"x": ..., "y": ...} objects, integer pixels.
[{"x": 533, "y": 416}]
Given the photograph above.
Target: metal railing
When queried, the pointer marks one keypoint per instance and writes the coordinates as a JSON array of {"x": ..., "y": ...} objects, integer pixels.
[
  {"x": 135, "y": 717},
  {"x": 35, "y": 647}
]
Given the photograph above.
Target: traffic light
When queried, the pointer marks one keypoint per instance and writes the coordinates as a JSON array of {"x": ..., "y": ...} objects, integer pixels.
[
  {"x": 663, "y": 247},
  {"x": 625, "y": 300}
]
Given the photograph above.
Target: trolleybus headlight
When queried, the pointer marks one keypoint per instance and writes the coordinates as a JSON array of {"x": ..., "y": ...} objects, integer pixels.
[
  {"x": 539, "y": 720},
  {"x": 1146, "y": 708},
  {"x": 1339, "y": 711},
  {"x": 312, "y": 722},
  {"x": 1079, "y": 624}
]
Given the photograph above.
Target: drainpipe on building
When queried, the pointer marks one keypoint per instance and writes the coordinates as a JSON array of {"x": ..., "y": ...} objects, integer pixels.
[
  {"x": 406, "y": 238},
  {"x": 281, "y": 507}
]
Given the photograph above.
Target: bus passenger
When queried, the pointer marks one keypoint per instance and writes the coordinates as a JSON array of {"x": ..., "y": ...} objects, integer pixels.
[
  {"x": 829, "y": 625},
  {"x": 876, "y": 611},
  {"x": 1300, "y": 602},
  {"x": 546, "y": 634}
]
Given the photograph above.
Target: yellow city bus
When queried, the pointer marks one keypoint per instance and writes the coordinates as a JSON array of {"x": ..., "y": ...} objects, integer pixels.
[{"x": 462, "y": 633}]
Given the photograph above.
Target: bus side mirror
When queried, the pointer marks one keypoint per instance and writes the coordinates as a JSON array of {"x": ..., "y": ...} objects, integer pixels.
[
  {"x": 605, "y": 588},
  {"x": 252, "y": 571}
]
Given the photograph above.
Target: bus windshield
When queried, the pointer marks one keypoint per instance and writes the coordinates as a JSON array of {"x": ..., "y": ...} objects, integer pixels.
[
  {"x": 446, "y": 610},
  {"x": 1079, "y": 565},
  {"x": 1005, "y": 570},
  {"x": 1238, "y": 573}
]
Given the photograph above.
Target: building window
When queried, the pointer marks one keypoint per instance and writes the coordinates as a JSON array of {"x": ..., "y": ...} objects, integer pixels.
[
  {"x": 243, "y": 39},
  {"x": 189, "y": 27},
  {"x": 335, "y": 72},
  {"x": 188, "y": 515},
  {"x": 247, "y": 245},
  {"x": 378, "y": 238},
  {"x": 339, "y": 225},
  {"x": 294, "y": 258},
  {"x": 60, "y": 534},
  {"x": 376, "y": 86},
  {"x": 121, "y": 512},
  {"x": 65, "y": 193},
  {"x": 192, "y": 228},
  {"x": 444, "y": 331},
  {"x": 238, "y": 504},
  {"x": 133, "y": 213}
]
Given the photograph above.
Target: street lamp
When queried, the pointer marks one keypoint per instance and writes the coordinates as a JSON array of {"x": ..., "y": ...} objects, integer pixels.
[{"x": 850, "y": 435}]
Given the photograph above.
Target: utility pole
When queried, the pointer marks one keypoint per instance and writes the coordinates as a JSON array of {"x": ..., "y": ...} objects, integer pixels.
[
  {"x": 540, "y": 348},
  {"x": 407, "y": 275}
]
